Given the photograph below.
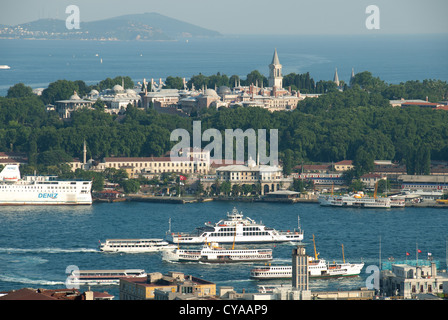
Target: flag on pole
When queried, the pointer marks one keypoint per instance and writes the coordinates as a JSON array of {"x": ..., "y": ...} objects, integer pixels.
[
  {"x": 181, "y": 177},
  {"x": 419, "y": 251},
  {"x": 408, "y": 254}
]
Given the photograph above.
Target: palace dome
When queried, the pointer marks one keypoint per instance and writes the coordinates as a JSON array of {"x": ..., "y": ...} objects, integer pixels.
[
  {"x": 210, "y": 92},
  {"x": 117, "y": 88},
  {"x": 75, "y": 97},
  {"x": 224, "y": 90}
]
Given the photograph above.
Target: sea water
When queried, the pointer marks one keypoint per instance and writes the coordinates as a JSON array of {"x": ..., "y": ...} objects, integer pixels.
[
  {"x": 394, "y": 59},
  {"x": 37, "y": 243}
]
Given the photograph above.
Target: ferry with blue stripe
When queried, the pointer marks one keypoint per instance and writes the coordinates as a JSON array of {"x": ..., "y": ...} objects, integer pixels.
[{"x": 41, "y": 190}]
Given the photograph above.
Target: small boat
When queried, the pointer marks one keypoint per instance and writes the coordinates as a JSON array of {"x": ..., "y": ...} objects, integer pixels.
[
  {"x": 102, "y": 277},
  {"x": 4, "y": 66},
  {"x": 135, "y": 245},
  {"x": 213, "y": 253}
]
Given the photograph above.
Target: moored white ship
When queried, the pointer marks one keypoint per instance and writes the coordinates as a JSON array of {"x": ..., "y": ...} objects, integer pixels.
[
  {"x": 135, "y": 245},
  {"x": 102, "y": 277},
  {"x": 236, "y": 229},
  {"x": 357, "y": 200},
  {"x": 317, "y": 268},
  {"x": 213, "y": 253},
  {"x": 41, "y": 190}
]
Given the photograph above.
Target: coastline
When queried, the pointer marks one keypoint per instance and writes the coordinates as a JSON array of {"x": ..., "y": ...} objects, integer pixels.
[{"x": 186, "y": 200}]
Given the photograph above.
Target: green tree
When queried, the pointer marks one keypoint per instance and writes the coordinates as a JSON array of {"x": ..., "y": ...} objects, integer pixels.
[
  {"x": 225, "y": 187},
  {"x": 130, "y": 185},
  {"x": 356, "y": 185},
  {"x": 19, "y": 90},
  {"x": 174, "y": 83}
]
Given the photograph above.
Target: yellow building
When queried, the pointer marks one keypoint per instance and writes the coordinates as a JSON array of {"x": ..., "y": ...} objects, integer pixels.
[
  {"x": 343, "y": 165},
  {"x": 173, "y": 282}
]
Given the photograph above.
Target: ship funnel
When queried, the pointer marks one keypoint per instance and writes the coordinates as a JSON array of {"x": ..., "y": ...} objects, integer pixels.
[{"x": 10, "y": 172}]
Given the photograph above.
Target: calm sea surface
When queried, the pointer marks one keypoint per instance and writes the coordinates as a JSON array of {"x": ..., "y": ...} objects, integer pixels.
[
  {"x": 37, "y": 244},
  {"x": 392, "y": 58}
]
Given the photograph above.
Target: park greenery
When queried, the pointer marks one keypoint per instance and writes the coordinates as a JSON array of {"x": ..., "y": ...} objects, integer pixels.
[{"x": 355, "y": 123}]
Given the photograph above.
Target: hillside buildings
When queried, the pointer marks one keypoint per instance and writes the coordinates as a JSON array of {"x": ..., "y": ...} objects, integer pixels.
[{"x": 184, "y": 102}]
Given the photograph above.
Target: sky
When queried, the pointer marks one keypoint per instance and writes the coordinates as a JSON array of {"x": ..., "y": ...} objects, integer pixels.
[{"x": 254, "y": 16}]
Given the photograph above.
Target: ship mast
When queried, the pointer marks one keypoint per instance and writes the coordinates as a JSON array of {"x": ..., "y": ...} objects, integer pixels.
[
  {"x": 315, "y": 253},
  {"x": 343, "y": 257}
]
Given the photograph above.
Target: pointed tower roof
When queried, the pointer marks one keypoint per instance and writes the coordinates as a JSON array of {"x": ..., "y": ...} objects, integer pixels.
[
  {"x": 352, "y": 77},
  {"x": 275, "y": 58},
  {"x": 336, "y": 78}
]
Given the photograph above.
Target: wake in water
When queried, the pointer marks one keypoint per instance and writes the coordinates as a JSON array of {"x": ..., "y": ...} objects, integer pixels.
[
  {"x": 6, "y": 278},
  {"x": 46, "y": 250}
]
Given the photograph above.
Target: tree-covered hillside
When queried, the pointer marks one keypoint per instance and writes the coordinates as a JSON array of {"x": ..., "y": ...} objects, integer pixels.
[{"x": 336, "y": 126}]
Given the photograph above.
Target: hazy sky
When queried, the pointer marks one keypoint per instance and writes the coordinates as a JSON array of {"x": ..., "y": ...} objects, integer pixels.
[{"x": 253, "y": 16}]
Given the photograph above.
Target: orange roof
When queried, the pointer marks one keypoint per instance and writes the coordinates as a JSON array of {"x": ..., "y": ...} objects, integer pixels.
[{"x": 344, "y": 162}]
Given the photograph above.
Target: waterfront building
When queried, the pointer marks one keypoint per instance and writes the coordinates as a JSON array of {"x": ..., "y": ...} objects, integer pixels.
[
  {"x": 370, "y": 179},
  {"x": 165, "y": 287},
  {"x": 268, "y": 178},
  {"x": 16, "y": 158},
  {"x": 408, "y": 281},
  {"x": 156, "y": 165},
  {"x": 196, "y": 161},
  {"x": 424, "y": 182},
  {"x": 321, "y": 179}
]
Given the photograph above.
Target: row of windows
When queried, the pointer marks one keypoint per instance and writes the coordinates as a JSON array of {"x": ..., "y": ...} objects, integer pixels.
[
  {"x": 246, "y": 233},
  {"x": 26, "y": 188},
  {"x": 157, "y": 164}
]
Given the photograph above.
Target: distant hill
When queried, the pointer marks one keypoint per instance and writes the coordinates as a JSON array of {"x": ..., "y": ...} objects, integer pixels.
[{"x": 145, "y": 26}]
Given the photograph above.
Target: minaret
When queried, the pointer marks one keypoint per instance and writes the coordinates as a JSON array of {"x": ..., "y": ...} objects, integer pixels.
[
  {"x": 352, "y": 77},
  {"x": 336, "y": 78},
  {"x": 84, "y": 159},
  {"x": 275, "y": 72}
]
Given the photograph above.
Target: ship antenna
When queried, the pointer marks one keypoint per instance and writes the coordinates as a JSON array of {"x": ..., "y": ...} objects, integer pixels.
[{"x": 169, "y": 225}]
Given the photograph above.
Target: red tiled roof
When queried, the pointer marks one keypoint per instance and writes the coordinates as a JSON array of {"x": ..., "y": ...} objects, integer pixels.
[
  {"x": 146, "y": 159},
  {"x": 344, "y": 162}
]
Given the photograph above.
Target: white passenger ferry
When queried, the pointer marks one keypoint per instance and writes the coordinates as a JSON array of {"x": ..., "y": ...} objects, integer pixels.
[
  {"x": 213, "y": 253},
  {"x": 102, "y": 277},
  {"x": 41, "y": 190},
  {"x": 135, "y": 245},
  {"x": 357, "y": 200},
  {"x": 317, "y": 268},
  {"x": 236, "y": 229}
]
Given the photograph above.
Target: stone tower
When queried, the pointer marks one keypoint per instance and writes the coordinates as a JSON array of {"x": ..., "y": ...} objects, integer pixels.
[
  {"x": 300, "y": 276},
  {"x": 275, "y": 72}
]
